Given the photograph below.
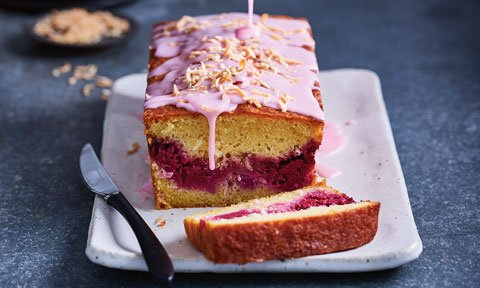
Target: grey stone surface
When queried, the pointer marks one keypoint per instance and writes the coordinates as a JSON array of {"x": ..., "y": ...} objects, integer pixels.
[{"x": 425, "y": 52}]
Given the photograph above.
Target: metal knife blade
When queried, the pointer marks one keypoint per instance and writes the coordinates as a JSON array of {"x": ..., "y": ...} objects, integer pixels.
[{"x": 93, "y": 173}]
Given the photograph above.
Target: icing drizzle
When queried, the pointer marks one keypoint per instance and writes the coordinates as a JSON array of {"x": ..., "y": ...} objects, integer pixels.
[{"x": 210, "y": 71}]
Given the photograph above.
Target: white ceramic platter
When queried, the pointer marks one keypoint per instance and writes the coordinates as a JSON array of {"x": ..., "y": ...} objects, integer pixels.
[{"x": 370, "y": 170}]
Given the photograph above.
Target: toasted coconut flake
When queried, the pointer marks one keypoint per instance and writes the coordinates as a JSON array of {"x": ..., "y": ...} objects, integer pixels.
[
  {"x": 294, "y": 79},
  {"x": 286, "y": 97},
  {"x": 176, "y": 44},
  {"x": 214, "y": 83},
  {"x": 103, "y": 82},
  {"x": 234, "y": 89},
  {"x": 106, "y": 93},
  {"x": 213, "y": 57},
  {"x": 72, "y": 80},
  {"x": 86, "y": 72},
  {"x": 242, "y": 66},
  {"x": 196, "y": 53},
  {"x": 265, "y": 101},
  {"x": 264, "y": 85},
  {"x": 65, "y": 68},
  {"x": 180, "y": 24},
  {"x": 86, "y": 90},
  {"x": 175, "y": 90},
  {"x": 205, "y": 108},
  {"x": 282, "y": 105},
  {"x": 275, "y": 37},
  {"x": 258, "y": 92}
]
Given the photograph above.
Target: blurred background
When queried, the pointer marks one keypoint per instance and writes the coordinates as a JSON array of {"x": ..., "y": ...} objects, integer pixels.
[{"x": 425, "y": 52}]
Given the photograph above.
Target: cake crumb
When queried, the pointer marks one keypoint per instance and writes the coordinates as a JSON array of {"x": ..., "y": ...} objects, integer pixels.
[
  {"x": 135, "y": 147},
  {"x": 160, "y": 222}
]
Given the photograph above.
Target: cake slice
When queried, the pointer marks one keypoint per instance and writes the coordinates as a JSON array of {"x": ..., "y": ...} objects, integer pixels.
[
  {"x": 308, "y": 221},
  {"x": 228, "y": 120}
]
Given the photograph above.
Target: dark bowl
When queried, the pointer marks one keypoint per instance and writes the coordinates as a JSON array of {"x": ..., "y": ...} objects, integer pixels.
[{"x": 106, "y": 42}]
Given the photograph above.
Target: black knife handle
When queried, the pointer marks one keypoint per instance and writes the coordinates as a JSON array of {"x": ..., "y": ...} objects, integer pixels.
[{"x": 157, "y": 259}]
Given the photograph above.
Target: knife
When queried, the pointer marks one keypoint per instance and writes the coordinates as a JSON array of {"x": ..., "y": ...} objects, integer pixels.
[{"x": 97, "y": 180}]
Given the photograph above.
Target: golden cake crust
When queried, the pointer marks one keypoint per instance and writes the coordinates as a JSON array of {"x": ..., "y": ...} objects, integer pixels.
[{"x": 284, "y": 238}]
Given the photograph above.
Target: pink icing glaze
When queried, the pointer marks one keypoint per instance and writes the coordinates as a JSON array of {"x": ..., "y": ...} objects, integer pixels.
[
  {"x": 333, "y": 139},
  {"x": 332, "y": 142},
  {"x": 325, "y": 171},
  {"x": 290, "y": 88},
  {"x": 146, "y": 158},
  {"x": 146, "y": 190}
]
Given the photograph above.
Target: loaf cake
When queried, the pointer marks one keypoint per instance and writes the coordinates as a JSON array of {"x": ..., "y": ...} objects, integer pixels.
[
  {"x": 228, "y": 120},
  {"x": 308, "y": 221}
]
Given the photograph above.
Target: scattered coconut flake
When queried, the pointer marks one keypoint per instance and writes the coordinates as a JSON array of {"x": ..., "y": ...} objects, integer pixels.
[
  {"x": 103, "y": 82},
  {"x": 79, "y": 26},
  {"x": 65, "y": 68},
  {"x": 87, "y": 89},
  {"x": 105, "y": 94},
  {"x": 72, "y": 81},
  {"x": 86, "y": 72}
]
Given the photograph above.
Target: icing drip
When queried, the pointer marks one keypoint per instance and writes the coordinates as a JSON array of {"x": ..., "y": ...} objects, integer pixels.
[
  {"x": 208, "y": 70},
  {"x": 332, "y": 142},
  {"x": 333, "y": 139},
  {"x": 249, "y": 30},
  {"x": 325, "y": 171},
  {"x": 212, "y": 118}
]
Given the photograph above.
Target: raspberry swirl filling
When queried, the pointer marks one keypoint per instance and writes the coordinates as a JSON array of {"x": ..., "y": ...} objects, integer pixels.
[
  {"x": 292, "y": 171},
  {"x": 312, "y": 199}
]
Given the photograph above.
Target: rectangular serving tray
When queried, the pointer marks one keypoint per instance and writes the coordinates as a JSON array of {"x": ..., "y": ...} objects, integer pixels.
[{"x": 370, "y": 171}]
